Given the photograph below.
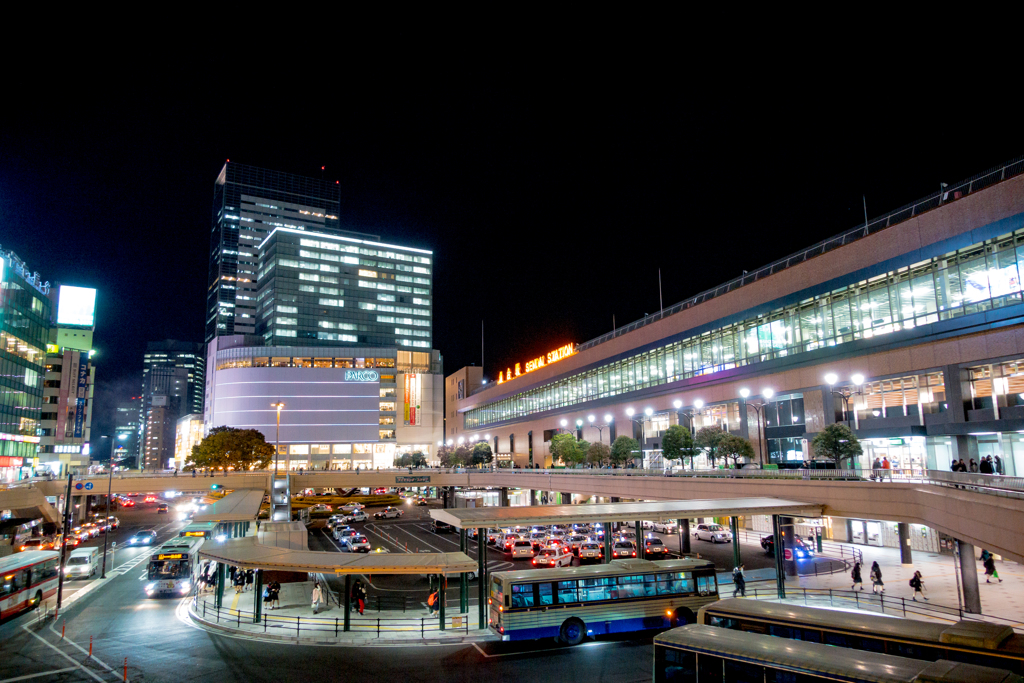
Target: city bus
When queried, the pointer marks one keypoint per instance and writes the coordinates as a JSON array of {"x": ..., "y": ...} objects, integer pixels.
[
  {"x": 204, "y": 530},
  {"x": 28, "y": 578},
  {"x": 174, "y": 567},
  {"x": 703, "y": 654},
  {"x": 973, "y": 642},
  {"x": 15, "y": 531},
  {"x": 571, "y": 603}
]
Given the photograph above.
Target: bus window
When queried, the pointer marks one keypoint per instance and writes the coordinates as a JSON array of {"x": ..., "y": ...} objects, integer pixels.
[
  {"x": 916, "y": 652},
  {"x": 9, "y": 585},
  {"x": 837, "y": 639},
  {"x": 809, "y": 635},
  {"x": 567, "y": 592},
  {"x": 866, "y": 644},
  {"x": 650, "y": 584},
  {"x": 522, "y": 595},
  {"x": 782, "y": 631},
  {"x": 709, "y": 669},
  {"x": 706, "y": 584},
  {"x": 496, "y": 591},
  {"x": 544, "y": 594},
  {"x": 677, "y": 666},
  {"x": 630, "y": 587},
  {"x": 168, "y": 569},
  {"x": 742, "y": 672}
]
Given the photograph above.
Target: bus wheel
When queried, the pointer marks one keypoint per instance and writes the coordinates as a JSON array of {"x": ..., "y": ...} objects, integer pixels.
[
  {"x": 37, "y": 600},
  {"x": 572, "y": 632},
  {"x": 683, "y": 616}
]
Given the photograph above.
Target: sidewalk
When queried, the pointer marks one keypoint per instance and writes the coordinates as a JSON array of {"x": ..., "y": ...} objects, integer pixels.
[
  {"x": 295, "y": 622},
  {"x": 1004, "y": 600}
]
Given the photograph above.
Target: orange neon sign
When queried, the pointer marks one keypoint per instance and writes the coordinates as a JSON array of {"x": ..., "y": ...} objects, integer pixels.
[{"x": 537, "y": 363}]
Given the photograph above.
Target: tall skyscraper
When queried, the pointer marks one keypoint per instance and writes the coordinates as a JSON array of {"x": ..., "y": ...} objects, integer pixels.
[
  {"x": 127, "y": 433},
  {"x": 249, "y": 202},
  {"x": 172, "y": 380}
]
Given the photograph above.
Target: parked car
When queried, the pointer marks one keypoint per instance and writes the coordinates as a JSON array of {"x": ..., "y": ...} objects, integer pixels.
[
  {"x": 716, "y": 533},
  {"x": 537, "y": 538},
  {"x": 389, "y": 512},
  {"x": 668, "y": 527},
  {"x": 591, "y": 551},
  {"x": 492, "y": 536},
  {"x": 654, "y": 547},
  {"x": 623, "y": 549},
  {"x": 521, "y": 548},
  {"x": 553, "y": 557},
  {"x": 441, "y": 528},
  {"x": 575, "y": 541}
]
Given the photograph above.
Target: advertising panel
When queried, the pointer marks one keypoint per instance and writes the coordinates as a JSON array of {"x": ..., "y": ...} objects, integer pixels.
[
  {"x": 76, "y": 306},
  {"x": 69, "y": 371},
  {"x": 412, "y": 400},
  {"x": 83, "y": 382}
]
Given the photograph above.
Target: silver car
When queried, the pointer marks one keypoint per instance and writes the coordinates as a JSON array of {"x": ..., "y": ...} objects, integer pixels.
[
  {"x": 716, "y": 533},
  {"x": 591, "y": 551},
  {"x": 668, "y": 527},
  {"x": 521, "y": 548}
]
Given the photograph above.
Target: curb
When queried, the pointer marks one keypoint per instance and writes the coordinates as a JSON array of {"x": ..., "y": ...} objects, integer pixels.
[{"x": 339, "y": 641}]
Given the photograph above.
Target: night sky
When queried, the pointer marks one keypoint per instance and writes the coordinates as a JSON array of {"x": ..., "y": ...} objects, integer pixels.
[{"x": 549, "y": 209}]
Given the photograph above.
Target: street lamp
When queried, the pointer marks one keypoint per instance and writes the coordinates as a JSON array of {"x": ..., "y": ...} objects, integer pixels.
[
  {"x": 845, "y": 394},
  {"x": 640, "y": 421},
  {"x": 106, "y": 532},
  {"x": 601, "y": 427},
  {"x": 767, "y": 393},
  {"x": 277, "y": 447},
  {"x": 450, "y": 442}
]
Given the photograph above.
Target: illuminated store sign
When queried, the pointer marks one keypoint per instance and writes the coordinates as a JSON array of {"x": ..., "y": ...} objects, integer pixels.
[
  {"x": 76, "y": 306},
  {"x": 539, "y": 362},
  {"x": 362, "y": 376}
]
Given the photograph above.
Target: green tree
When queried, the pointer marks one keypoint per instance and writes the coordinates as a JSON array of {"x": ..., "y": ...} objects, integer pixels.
[
  {"x": 403, "y": 460},
  {"x": 446, "y": 454},
  {"x": 708, "y": 438},
  {"x": 677, "y": 443},
  {"x": 240, "y": 449},
  {"x": 566, "y": 448},
  {"x": 482, "y": 454},
  {"x": 838, "y": 443},
  {"x": 598, "y": 454},
  {"x": 735, "y": 447},
  {"x": 418, "y": 459},
  {"x": 624, "y": 449}
]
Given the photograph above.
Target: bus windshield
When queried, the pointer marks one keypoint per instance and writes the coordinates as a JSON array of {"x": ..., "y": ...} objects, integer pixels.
[{"x": 168, "y": 569}]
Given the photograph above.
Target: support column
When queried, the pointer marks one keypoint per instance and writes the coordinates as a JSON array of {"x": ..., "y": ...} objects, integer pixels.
[
  {"x": 734, "y": 526},
  {"x": 607, "y": 526},
  {"x": 503, "y": 497},
  {"x": 481, "y": 578},
  {"x": 463, "y": 581},
  {"x": 441, "y": 585},
  {"x": 639, "y": 529},
  {"x": 684, "y": 536},
  {"x": 220, "y": 585},
  {"x": 780, "y": 570},
  {"x": 530, "y": 495},
  {"x": 347, "y": 598},
  {"x": 906, "y": 556},
  {"x": 788, "y": 533},
  {"x": 566, "y": 499},
  {"x": 969, "y": 575},
  {"x": 257, "y": 609}
]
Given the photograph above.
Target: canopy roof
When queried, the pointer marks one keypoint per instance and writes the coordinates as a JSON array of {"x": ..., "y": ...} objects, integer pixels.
[
  {"x": 487, "y": 517},
  {"x": 238, "y": 506},
  {"x": 248, "y": 553}
]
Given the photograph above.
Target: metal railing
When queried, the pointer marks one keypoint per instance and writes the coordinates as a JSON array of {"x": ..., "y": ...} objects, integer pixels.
[
  {"x": 320, "y": 626},
  {"x": 829, "y": 550},
  {"x": 932, "y": 201}
]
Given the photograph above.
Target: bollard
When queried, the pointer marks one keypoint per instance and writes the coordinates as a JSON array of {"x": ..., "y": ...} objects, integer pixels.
[
  {"x": 62, "y": 625},
  {"x": 90, "y": 646},
  {"x": 125, "y": 668}
]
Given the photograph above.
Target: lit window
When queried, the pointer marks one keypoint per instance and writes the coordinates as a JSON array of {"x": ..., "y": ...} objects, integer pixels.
[
  {"x": 367, "y": 273},
  {"x": 287, "y": 309},
  {"x": 286, "y": 321}
]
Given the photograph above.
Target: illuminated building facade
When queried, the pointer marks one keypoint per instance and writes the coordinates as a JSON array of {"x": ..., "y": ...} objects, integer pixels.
[
  {"x": 172, "y": 370},
  {"x": 189, "y": 433},
  {"x": 909, "y": 329}
]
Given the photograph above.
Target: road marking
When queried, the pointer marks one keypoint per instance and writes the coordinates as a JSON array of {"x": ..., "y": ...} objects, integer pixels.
[
  {"x": 45, "y": 673},
  {"x": 61, "y": 653},
  {"x": 530, "y": 652},
  {"x": 424, "y": 542},
  {"x": 85, "y": 652}
]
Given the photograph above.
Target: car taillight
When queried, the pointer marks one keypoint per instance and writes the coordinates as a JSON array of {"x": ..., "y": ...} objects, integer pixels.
[{"x": 634, "y": 554}]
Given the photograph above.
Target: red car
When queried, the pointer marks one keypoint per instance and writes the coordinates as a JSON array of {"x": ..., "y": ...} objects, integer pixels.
[
  {"x": 129, "y": 503},
  {"x": 149, "y": 499}
]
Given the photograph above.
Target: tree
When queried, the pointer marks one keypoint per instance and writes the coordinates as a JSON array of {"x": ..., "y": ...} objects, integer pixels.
[
  {"x": 418, "y": 459},
  {"x": 677, "y": 443},
  {"x": 446, "y": 454},
  {"x": 708, "y": 438},
  {"x": 838, "y": 443},
  {"x": 625, "y": 448},
  {"x": 735, "y": 447},
  {"x": 566, "y": 448},
  {"x": 240, "y": 449},
  {"x": 482, "y": 454},
  {"x": 598, "y": 454}
]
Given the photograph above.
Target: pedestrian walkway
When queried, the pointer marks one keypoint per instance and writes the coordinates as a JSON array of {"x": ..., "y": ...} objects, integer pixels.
[
  {"x": 1004, "y": 600},
  {"x": 294, "y": 621}
]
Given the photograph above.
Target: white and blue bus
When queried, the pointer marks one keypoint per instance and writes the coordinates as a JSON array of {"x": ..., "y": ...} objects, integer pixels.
[
  {"x": 572, "y": 603},
  {"x": 706, "y": 654},
  {"x": 174, "y": 567}
]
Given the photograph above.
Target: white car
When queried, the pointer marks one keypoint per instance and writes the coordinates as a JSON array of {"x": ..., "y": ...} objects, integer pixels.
[
  {"x": 591, "y": 551},
  {"x": 352, "y": 507},
  {"x": 343, "y": 532},
  {"x": 388, "y": 513},
  {"x": 716, "y": 533},
  {"x": 355, "y": 544},
  {"x": 665, "y": 527},
  {"x": 321, "y": 507},
  {"x": 357, "y": 516},
  {"x": 521, "y": 548},
  {"x": 553, "y": 557}
]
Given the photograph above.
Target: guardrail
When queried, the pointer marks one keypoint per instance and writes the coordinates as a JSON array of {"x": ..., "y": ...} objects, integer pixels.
[
  {"x": 829, "y": 550},
  {"x": 318, "y": 625}
]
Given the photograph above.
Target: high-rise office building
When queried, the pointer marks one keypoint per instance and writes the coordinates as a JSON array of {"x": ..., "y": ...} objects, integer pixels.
[
  {"x": 24, "y": 326},
  {"x": 127, "y": 433},
  {"x": 171, "y": 370},
  {"x": 249, "y": 202}
]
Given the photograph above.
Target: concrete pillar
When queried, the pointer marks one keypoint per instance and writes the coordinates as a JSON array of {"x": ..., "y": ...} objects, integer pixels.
[
  {"x": 503, "y": 497},
  {"x": 780, "y": 570},
  {"x": 441, "y": 585},
  {"x": 684, "y": 536},
  {"x": 638, "y": 526},
  {"x": 347, "y": 598},
  {"x": 969, "y": 576},
  {"x": 607, "y": 542},
  {"x": 906, "y": 557},
  {"x": 481, "y": 577},
  {"x": 566, "y": 499},
  {"x": 221, "y": 577},
  {"x": 257, "y": 609},
  {"x": 734, "y": 526},
  {"x": 788, "y": 541},
  {"x": 463, "y": 581}
]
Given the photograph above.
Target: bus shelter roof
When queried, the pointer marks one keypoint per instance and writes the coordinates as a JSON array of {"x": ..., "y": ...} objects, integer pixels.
[
  {"x": 238, "y": 506},
  {"x": 248, "y": 553},
  {"x": 488, "y": 517}
]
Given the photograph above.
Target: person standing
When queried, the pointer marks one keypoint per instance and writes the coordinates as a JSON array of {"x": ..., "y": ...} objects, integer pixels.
[
  {"x": 876, "y": 578},
  {"x": 432, "y": 602},
  {"x": 317, "y": 598},
  {"x": 998, "y": 463},
  {"x": 986, "y": 465},
  {"x": 990, "y": 569},
  {"x": 739, "y": 582},
  {"x": 275, "y": 595},
  {"x": 857, "y": 580},
  {"x": 917, "y": 583},
  {"x": 974, "y": 465},
  {"x": 359, "y": 593},
  {"x": 249, "y": 576}
]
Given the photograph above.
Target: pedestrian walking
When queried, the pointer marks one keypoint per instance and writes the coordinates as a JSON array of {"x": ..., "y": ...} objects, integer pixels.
[
  {"x": 193, "y": 472},
  {"x": 359, "y": 593},
  {"x": 990, "y": 569},
  {"x": 986, "y": 465},
  {"x": 974, "y": 465},
  {"x": 857, "y": 580},
  {"x": 876, "y": 578},
  {"x": 739, "y": 582},
  {"x": 275, "y": 595},
  {"x": 250, "y": 576},
  {"x": 317, "y": 598},
  {"x": 432, "y": 602},
  {"x": 876, "y": 469},
  {"x": 917, "y": 583}
]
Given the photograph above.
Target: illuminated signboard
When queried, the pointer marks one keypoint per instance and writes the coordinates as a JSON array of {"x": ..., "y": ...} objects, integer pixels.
[
  {"x": 362, "y": 376},
  {"x": 411, "y": 406},
  {"x": 76, "y": 306},
  {"x": 202, "y": 534},
  {"x": 538, "y": 363},
  {"x": 175, "y": 556}
]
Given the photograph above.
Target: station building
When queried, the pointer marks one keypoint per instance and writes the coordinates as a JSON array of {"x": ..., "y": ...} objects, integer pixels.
[{"x": 910, "y": 329}]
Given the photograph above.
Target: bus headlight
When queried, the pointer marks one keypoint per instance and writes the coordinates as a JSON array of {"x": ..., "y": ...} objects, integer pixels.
[
  {"x": 185, "y": 587},
  {"x": 150, "y": 587}
]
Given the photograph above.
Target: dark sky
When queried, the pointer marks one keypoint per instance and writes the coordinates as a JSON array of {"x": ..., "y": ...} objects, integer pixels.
[{"x": 549, "y": 208}]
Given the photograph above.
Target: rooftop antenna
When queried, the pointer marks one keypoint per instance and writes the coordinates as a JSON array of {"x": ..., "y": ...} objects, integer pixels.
[{"x": 661, "y": 304}]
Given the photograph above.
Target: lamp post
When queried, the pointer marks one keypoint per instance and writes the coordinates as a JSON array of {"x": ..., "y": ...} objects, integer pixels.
[
  {"x": 858, "y": 380},
  {"x": 106, "y": 531},
  {"x": 691, "y": 416},
  {"x": 767, "y": 393},
  {"x": 608, "y": 419},
  {"x": 640, "y": 421},
  {"x": 277, "y": 445}
]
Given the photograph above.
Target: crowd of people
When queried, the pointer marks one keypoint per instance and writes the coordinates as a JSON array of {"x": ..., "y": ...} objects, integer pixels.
[{"x": 989, "y": 465}]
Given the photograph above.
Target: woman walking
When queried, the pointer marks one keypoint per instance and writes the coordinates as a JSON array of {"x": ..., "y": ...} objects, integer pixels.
[
  {"x": 318, "y": 598},
  {"x": 857, "y": 580},
  {"x": 876, "y": 577},
  {"x": 990, "y": 569},
  {"x": 917, "y": 583}
]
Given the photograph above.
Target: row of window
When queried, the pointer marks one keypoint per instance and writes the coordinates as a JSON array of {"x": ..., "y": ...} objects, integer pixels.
[
  {"x": 979, "y": 278},
  {"x": 610, "y": 588},
  {"x": 335, "y": 246},
  {"x": 388, "y": 308}
]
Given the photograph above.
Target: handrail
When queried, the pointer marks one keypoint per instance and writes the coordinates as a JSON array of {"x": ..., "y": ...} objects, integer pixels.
[{"x": 950, "y": 193}]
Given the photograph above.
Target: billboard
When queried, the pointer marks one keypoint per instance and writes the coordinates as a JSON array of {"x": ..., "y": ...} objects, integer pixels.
[
  {"x": 76, "y": 306},
  {"x": 411, "y": 410}
]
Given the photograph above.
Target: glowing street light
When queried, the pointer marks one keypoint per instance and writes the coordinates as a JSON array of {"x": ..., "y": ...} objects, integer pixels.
[
  {"x": 677, "y": 404},
  {"x": 630, "y": 412},
  {"x": 590, "y": 419},
  {"x": 831, "y": 378}
]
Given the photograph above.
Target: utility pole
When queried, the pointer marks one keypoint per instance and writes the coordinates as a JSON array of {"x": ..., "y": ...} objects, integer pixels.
[
  {"x": 661, "y": 304},
  {"x": 864, "y": 198},
  {"x": 106, "y": 534},
  {"x": 482, "y": 346},
  {"x": 64, "y": 540}
]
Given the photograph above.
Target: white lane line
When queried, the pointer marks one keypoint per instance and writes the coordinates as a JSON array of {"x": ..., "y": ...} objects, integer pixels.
[
  {"x": 61, "y": 653},
  {"x": 86, "y": 652},
  {"x": 45, "y": 673},
  {"x": 421, "y": 541},
  {"x": 530, "y": 652}
]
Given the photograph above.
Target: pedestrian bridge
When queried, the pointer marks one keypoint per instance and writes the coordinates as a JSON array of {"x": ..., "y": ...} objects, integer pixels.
[{"x": 984, "y": 510}]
